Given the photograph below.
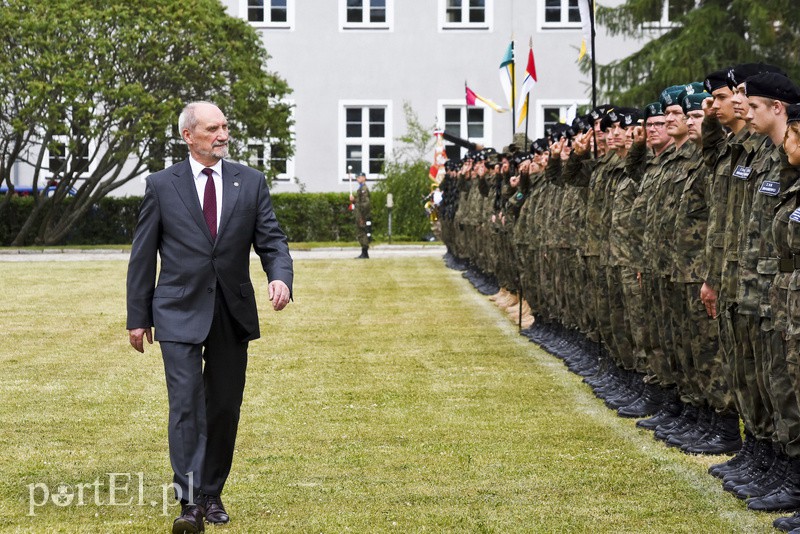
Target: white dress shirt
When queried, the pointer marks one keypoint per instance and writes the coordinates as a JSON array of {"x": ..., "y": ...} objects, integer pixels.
[{"x": 200, "y": 183}]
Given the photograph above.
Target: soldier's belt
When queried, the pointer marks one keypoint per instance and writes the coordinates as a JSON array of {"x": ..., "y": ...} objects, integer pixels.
[{"x": 788, "y": 265}]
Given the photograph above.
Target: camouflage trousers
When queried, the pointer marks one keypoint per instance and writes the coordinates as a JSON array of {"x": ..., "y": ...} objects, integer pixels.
[
  {"x": 620, "y": 320},
  {"x": 782, "y": 393},
  {"x": 748, "y": 365},
  {"x": 662, "y": 364},
  {"x": 588, "y": 296},
  {"x": 700, "y": 352},
  {"x": 636, "y": 317}
]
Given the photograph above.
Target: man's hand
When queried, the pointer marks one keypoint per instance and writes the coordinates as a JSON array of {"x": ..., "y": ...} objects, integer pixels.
[
  {"x": 639, "y": 135},
  {"x": 137, "y": 335},
  {"x": 709, "y": 298},
  {"x": 278, "y": 294},
  {"x": 707, "y": 106}
]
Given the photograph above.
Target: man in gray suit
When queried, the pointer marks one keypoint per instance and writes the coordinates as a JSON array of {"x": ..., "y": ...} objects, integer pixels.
[{"x": 202, "y": 216}]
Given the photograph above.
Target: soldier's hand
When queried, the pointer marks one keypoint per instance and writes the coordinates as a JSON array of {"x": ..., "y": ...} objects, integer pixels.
[
  {"x": 580, "y": 145},
  {"x": 555, "y": 149},
  {"x": 565, "y": 152},
  {"x": 707, "y": 109},
  {"x": 639, "y": 135},
  {"x": 709, "y": 298},
  {"x": 352, "y": 198}
]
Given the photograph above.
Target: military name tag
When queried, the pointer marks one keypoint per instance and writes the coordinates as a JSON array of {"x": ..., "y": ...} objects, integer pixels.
[
  {"x": 742, "y": 172},
  {"x": 770, "y": 188},
  {"x": 795, "y": 216}
]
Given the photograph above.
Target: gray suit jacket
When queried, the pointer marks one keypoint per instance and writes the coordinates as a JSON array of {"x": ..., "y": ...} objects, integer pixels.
[{"x": 171, "y": 224}]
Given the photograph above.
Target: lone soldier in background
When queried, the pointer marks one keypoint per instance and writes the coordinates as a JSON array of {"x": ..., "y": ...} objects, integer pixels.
[{"x": 361, "y": 208}]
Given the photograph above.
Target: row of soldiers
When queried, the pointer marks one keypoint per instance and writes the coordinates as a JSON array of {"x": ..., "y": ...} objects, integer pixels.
[{"x": 657, "y": 252}]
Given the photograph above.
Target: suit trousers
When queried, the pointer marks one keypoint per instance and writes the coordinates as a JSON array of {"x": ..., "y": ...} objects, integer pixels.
[{"x": 205, "y": 386}]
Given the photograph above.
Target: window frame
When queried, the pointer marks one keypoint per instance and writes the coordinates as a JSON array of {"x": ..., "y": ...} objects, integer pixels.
[
  {"x": 265, "y": 24},
  {"x": 443, "y": 104},
  {"x": 343, "y": 139},
  {"x": 266, "y": 145},
  {"x": 345, "y": 26},
  {"x": 562, "y": 24},
  {"x": 486, "y": 26},
  {"x": 664, "y": 23}
]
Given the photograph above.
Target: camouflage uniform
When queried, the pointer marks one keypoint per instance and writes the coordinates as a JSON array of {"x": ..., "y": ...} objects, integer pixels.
[
  {"x": 784, "y": 379},
  {"x": 699, "y": 332},
  {"x": 363, "y": 215},
  {"x": 758, "y": 265}
]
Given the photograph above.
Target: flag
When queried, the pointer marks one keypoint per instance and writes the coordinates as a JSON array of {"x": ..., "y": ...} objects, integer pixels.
[
  {"x": 527, "y": 85},
  {"x": 572, "y": 112},
  {"x": 585, "y": 9},
  {"x": 474, "y": 99},
  {"x": 507, "y": 74}
]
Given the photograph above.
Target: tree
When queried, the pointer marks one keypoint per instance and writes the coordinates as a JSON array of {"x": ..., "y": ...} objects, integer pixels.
[
  {"x": 407, "y": 180},
  {"x": 97, "y": 86},
  {"x": 704, "y": 36}
]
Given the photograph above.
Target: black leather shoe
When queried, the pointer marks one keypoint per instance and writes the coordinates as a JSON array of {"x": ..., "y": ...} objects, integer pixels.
[
  {"x": 215, "y": 511},
  {"x": 190, "y": 521}
]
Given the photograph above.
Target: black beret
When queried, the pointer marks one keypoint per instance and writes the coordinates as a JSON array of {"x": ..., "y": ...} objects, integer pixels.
[
  {"x": 519, "y": 157},
  {"x": 739, "y": 73},
  {"x": 717, "y": 79},
  {"x": 452, "y": 165},
  {"x": 598, "y": 112},
  {"x": 580, "y": 125},
  {"x": 772, "y": 85},
  {"x": 793, "y": 113},
  {"x": 539, "y": 146}
]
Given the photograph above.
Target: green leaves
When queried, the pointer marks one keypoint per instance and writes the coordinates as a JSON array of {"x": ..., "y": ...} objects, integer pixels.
[
  {"x": 114, "y": 75},
  {"x": 704, "y": 36}
]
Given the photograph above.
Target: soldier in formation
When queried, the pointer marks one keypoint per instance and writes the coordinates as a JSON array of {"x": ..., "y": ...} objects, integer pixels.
[{"x": 657, "y": 252}]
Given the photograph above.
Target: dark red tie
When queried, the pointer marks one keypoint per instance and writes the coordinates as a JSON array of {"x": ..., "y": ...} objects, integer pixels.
[{"x": 210, "y": 203}]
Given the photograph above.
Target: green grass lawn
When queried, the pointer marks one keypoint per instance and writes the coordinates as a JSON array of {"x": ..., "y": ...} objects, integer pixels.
[{"x": 388, "y": 397}]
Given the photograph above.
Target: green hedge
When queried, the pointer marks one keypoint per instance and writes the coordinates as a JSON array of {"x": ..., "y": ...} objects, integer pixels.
[{"x": 303, "y": 216}]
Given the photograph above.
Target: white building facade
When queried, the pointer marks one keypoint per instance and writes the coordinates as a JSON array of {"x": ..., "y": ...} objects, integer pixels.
[{"x": 352, "y": 64}]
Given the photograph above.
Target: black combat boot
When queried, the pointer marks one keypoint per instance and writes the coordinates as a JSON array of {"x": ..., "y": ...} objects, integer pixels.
[
  {"x": 786, "y": 496},
  {"x": 723, "y": 437},
  {"x": 364, "y": 254},
  {"x": 742, "y": 457}
]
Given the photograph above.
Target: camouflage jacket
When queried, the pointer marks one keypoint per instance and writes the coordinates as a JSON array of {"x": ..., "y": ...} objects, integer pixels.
[
  {"x": 691, "y": 224},
  {"x": 644, "y": 168},
  {"x": 758, "y": 253},
  {"x": 583, "y": 171},
  {"x": 717, "y": 151},
  {"x": 784, "y": 225}
]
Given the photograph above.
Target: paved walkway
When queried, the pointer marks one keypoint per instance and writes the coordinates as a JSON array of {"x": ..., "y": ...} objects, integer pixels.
[{"x": 297, "y": 250}]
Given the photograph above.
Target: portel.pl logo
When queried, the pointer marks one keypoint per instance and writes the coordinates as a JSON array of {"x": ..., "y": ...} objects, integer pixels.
[{"x": 114, "y": 489}]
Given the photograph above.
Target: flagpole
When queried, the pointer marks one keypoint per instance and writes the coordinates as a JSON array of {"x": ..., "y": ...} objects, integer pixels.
[
  {"x": 594, "y": 72},
  {"x": 528, "y": 95},
  {"x": 513, "y": 94}
]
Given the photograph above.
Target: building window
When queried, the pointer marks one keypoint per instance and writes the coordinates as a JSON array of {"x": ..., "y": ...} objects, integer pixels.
[
  {"x": 465, "y": 122},
  {"x": 666, "y": 13},
  {"x": 268, "y": 13},
  {"x": 366, "y": 135},
  {"x": 68, "y": 154},
  {"x": 555, "y": 14},
  {"x": 365, "y": 14},
  {"x": 465, "y": 14},
  {"x": 270, "y": 156}
]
